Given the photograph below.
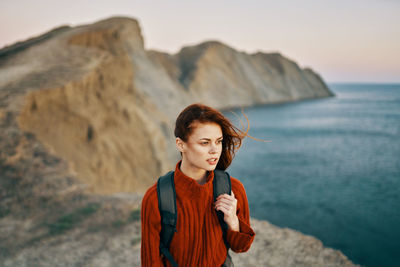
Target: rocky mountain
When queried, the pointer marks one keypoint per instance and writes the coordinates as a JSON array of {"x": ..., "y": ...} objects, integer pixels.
[{"x": 86, "y": 117}]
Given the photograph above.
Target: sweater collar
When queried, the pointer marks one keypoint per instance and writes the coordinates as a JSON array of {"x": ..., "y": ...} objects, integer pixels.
[{"x": 190, "y": 185}]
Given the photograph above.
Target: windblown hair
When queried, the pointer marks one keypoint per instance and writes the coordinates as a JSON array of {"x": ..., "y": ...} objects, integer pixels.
[{"x": 232, "y": 136}]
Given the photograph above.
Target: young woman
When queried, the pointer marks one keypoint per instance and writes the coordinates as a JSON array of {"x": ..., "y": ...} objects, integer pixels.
[{"x": 206, "y": 141}]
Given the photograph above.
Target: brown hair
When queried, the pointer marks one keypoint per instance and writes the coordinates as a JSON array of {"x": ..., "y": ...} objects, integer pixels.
[{"x": 232, "y": 136}]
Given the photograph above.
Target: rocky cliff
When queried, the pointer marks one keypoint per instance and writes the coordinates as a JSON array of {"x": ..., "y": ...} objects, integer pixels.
[{"x": 86, "y": 116}]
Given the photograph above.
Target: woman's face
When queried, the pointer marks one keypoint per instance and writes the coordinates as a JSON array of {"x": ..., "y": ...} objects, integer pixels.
[{"x": 203, "y": 147}]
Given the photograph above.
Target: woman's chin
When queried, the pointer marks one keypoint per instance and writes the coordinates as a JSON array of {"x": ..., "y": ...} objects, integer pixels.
[{"x": 211, "y": 167}]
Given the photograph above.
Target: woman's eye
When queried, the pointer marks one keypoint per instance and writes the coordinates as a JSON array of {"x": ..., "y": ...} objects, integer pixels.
[
  {"x": 204, "y": 143},
  {"x": 219, "y": 141}
]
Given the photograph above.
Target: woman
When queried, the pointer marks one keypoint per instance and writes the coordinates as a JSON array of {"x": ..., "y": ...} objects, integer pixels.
[{"x": 206, "y": 140}]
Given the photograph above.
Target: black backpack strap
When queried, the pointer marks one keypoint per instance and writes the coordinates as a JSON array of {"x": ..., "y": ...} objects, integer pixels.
[
  {"x": 222, "y": 185},
  {"x": 167, "y": 205}
]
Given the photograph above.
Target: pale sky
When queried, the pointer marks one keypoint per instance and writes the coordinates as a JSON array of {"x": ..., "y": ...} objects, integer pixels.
[{"x": 344, "y": 41}]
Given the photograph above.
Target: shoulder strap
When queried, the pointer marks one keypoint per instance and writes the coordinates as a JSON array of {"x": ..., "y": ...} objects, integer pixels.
[
  {"x": 222, "y": 184},
  {"x": 167, "y": 205}
]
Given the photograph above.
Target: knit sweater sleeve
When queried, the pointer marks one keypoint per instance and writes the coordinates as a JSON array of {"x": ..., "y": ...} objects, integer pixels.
[
  {"x": 151, "y": 228},
  {"x": 240, "y": 241}
]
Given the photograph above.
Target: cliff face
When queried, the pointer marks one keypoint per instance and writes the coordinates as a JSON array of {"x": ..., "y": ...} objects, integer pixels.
[
  {"x": 86, "y": 117},
  {"x": 94, "y": 96},
  {"x": 222, "y": 77},
  {"x": 77, "y": 95}
]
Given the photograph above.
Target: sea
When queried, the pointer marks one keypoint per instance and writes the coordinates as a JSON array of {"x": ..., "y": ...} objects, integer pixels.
[{"x": 330, "y": 170}]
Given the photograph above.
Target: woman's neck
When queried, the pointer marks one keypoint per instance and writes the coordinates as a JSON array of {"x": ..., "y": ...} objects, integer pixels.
[{"x": 199, "y": 175}]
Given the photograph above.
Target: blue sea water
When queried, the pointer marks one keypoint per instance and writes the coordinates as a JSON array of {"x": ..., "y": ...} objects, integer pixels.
[{"x": 331, "y": 170}]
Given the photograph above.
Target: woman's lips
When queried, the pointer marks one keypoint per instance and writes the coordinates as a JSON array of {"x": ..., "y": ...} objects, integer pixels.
[{"x": 212, "y": 161}]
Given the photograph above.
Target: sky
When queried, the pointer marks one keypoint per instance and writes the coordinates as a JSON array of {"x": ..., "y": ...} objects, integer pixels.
[{"x": 343, "y": 41}]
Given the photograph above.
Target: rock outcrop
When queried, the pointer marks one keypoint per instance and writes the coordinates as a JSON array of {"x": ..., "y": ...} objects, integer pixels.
[
  {"x": 223, "y": 77},
  {"x": 76, "y": 93},
  {"x": 276, "y": 246},
  {"x": 86, "y": 117},
  {"x": 94, "y": 95}
]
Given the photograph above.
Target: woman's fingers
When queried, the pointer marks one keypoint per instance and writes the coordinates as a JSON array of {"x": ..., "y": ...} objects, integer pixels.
[
  {"x": 227, "y": 204},
  {"x": 226, "y": 196},
  {"x": 226, "y": 201},
  {"x": 225, "y": 208},
  {"x": 228, "y": 210}
]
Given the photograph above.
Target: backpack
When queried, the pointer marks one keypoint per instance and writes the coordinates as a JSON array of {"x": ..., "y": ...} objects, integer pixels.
[{"x": 167, "y": 205}]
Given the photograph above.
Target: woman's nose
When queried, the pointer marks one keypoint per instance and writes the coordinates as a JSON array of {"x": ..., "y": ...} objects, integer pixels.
[{"x": 213, "y": 149}]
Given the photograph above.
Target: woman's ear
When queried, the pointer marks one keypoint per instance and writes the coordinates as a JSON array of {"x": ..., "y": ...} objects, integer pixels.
[{"x": 180, "y": 144}]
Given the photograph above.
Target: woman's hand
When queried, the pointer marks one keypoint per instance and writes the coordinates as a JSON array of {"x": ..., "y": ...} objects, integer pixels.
[{"x": 228, "y": 205}]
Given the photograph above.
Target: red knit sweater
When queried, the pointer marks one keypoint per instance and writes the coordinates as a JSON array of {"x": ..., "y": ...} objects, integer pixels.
[{"x": 198, "y": 241}]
